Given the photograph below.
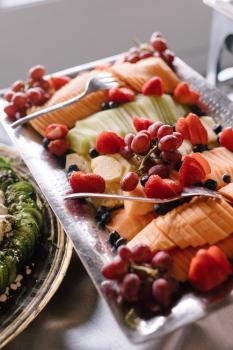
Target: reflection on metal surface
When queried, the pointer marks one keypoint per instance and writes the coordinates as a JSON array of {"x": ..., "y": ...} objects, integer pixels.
[{"x": 90, "y": 242}]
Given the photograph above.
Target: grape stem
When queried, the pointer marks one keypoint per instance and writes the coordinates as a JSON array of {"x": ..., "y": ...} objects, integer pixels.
[
  {"x": 142, "y": 167},
  {"x": 154, "y": 273},
  {"x": 131, "y": 318}
]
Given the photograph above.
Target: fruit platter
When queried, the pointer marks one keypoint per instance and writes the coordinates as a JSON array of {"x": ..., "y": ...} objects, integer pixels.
[
  {"x": 35, "y": 252},
  {"x": 129, "y": 152}
]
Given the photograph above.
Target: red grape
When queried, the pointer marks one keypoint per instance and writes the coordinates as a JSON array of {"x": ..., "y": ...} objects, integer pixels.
[
  {"x": 145, "y": 54},
  {"x": 153, "y": 129},
  {"x": 129, "y": 182},
  {"x": 140, "y": 143},
  {"x": 130, "y": 287},
  {"x": 129, "y": 138},
  {"x": 43, "y": 84},
  {"x": 9, "y": 95},
  {"x": 179, "y": 137},
  {"x": 18, "y": 86},
  {"x": 174, "y": 285},
  {"x": 171, "y": 157},
  {"x": 109, "y": 289},
  {"x": 157, "y": 35},
  {"x": 168, "y": 56},
  {"x": 168, "y": 143},
  {"x": 124, "y": 252},
  {"x": 141, "y": 253},
  {"x": 133, "y": 58},
  {"x": 115, "y": 269},
  {"x": 158, "y": 43},
  {"x": 35, "y": 96},
  {"x": 36, "y": 73},
  {"x": 126, "y": 152},
  {"x": 162, "y": 292},
  {"x": 11, "y": 111},
  {"x": 162, "y": 260},
  {"x": 164, "y": 130},
  {"x": 146, "y": 289},
  {"x": 159, "y": 169},
  {"x": 19, "y": 100}
]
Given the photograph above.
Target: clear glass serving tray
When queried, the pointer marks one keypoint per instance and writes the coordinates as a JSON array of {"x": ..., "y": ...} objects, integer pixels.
[{"x": 78, "y": 219}]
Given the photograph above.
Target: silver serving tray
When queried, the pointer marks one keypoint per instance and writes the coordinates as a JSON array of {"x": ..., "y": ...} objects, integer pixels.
[{"x": 78, "y": 219}]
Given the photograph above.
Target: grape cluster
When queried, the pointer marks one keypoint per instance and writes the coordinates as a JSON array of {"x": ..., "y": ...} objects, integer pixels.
[
  {"x": 157, "y": 47},
  {"x": 157, "y": 148},
  {"x": 22, "y": 95},
  {"x": 138, "y": 276}
]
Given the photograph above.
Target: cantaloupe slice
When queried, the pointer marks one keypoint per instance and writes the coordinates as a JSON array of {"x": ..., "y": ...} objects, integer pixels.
[
  {"x": 202, "y": 221},
  {"x": 128, "y": 225},
  {"x": 137, "y": 208},
  {"x": 227, "y": 191},
  {"x": 136, "y": 74},
  {"x": 182, "y": 258}
]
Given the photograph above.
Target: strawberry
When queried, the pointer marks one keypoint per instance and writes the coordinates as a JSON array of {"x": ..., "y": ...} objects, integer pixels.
[
  {"x": 191, "y": 172},
  {"x": 59, "y": 82},
  {"x": 59, "y": 147},
  {"x": 81, "y": 182},
  {"x": 202, "y": 161},
  {"x": 208, "y": 269},
  {"x": 184, "y": 95},
  {"x": 182, "y": 127},
  {"x": 142, "y": 123},
  {"x": 226, "y": 138},
  {"x": 156, "y": 187},
  {"x": 121, "y": 94},
  {"x": 153, "y": 86},
  {"x": 108, "y": 142},
  {"x": 197, "y": 131},
  {"x": 56, "y": 131}
]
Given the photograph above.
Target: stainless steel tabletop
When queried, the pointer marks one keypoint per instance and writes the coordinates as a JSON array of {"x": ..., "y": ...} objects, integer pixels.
[{"x": 77, "y": 319}]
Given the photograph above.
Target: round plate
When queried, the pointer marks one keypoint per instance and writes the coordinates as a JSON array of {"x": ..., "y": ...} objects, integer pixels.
[{"x": 51, "y": 262}]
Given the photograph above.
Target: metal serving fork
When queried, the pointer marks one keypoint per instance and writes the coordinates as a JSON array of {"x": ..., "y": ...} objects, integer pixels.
[
  {"x": 187, "y": 192},
  {"x": 101, "y": 81}
]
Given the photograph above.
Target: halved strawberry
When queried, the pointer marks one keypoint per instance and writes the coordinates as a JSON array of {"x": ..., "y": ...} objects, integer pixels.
[
  {"x": 81, "y": 182},
  {"x": 226, "y": 138},
  {"x": 202, "y": 161},
  {"x": 142, "y": 123},
  {"x": 153, "y": 86},
  {"x": 208, "y": 269},
  {"x": 58, "y": 82},
  {"x": 184, "y": 95},
  {"x": 156, "y": 187},
  {"x": 182, "y": 127},
  {"x": 197, "y": 131},
  {"x": 56, "y": 131},
  {"x": 191, "y": 172},
  {"x": 108, "y": 142},
  {"x": 121, "y": 94}
]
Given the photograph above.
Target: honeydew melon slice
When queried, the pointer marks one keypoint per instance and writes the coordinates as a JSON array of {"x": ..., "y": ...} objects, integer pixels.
[{"x": 209, "y": 123}]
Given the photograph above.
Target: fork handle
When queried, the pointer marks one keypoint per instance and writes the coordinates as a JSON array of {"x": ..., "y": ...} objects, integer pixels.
[{"x": 49, "y": 109}]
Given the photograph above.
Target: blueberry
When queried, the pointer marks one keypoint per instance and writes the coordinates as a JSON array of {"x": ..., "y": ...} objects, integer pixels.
[
  {"x": 226, "y": 178},
  {"x": 113, "y": 104},
  {"x": 217, "y": 128},
  {"x": 113, "y": 237},
  {"x": 144, "y": 179},
  {"x": 106, "y": 218},
  {"x": 210, "y": 184},
  {"x": 119, "y": 242},
  {"x": 45, "y": 143},
  {"x": 195, "y": 109},
  {"x": 177, "y": 166},
  {"x": 100, "y": 211},
  {"x": 174, "y": 127},
  {"x": 105, "y": 106},
  {"x": 200, "y": 148},
  {"x": 160, "y": 209},
  {"x": 93, "y": 153},
  {"x": 72, "y": 167}
]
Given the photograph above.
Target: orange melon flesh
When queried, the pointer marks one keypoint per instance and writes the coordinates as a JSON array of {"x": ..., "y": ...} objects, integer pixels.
[
  {"x": 128, "y": 225},
  {"x": 182, "y": 258},
  {"x": 202, "y": 221},
  {"x": 136, "y": 74},
  {"x": 227, "y": 191},
  {"x": 137, "y": 208},
  {"x": 221, "y": 162}
]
